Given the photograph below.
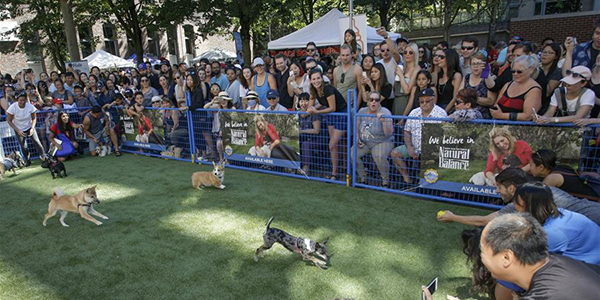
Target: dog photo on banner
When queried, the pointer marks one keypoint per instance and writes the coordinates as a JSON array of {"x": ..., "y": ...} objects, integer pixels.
[
  {"x": 143, "y": 129},
  {"x": 467, "y": 157},
  {"x": 268, "y": 139}
]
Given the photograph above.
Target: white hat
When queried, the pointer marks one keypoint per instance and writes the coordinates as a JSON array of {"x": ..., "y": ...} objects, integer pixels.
[
  {"x": 251, "y": 95},
  {"x": 258, "y": 62},
  {"x": 224, "y": 96},
  {"x": 237, "y": 66},
  {"x": 156, "y": 99}
]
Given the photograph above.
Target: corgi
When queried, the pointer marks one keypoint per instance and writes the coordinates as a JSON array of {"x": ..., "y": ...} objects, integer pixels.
[
  {"x": 81, "y": 203},
  {"x": 214, "y": 178}
]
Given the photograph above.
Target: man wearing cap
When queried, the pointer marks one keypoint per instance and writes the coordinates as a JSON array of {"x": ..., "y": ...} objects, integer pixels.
[
  {"x": 97, "y": 128},
  {"x": 218, "y": 77},
  {"x": 21, "y": 116},
  {"x": 579, "y": 100},
  {"x": 273, "y": 99},
  {"x": 252, "y": 102},
  {"x": 412, "y": 131},
  {"x": 104, "y": 96}
]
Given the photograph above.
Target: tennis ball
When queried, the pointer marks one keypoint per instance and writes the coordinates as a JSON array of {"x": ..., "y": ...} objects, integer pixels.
[{"x": 441, "y": 213}]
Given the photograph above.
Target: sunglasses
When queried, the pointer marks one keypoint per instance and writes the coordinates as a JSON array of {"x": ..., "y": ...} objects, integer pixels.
[
  {"x": 467, "y": 48},
  {"x": 458, "y": 101},
  {"x": 386, "y": 50},
  {"x": 374, "y": 99},
  {"x": 517, "y": 71},
  {"x": 144, "y": 80},
  {"x": 575, "y": 75},
  {"x": 178, "y": 77},
  {"x": 409, "y": 53},
  {"x": 271, "y": 98},
  {"x": 311, "y": 50},
  {"x": 343, "y": 78},
  {"x": 440, "y": 56}
]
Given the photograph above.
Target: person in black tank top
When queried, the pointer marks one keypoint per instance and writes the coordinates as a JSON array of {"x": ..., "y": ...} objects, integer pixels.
[{"x": 543, "y": 165}]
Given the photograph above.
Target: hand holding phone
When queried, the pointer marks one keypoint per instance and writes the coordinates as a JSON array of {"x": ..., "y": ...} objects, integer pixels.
[{"x": 486, "y": 71}]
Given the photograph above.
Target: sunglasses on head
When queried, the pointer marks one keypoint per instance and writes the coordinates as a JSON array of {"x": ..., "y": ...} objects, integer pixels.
[
  {"x": 467, "y": 47},
  {"x": 575, "y": 75}
]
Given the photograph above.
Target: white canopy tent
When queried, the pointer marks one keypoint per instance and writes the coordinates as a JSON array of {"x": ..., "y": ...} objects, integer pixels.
[
  {"x": 324, "y": 32},
  {"x": 105, "y": 60},
  {"x": 215, "y": 54}
]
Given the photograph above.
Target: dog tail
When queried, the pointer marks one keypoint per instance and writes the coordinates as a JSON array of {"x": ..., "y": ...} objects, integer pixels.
[
  {"x": 57, "y": 192},
  {"x": 269, "y": 223}
]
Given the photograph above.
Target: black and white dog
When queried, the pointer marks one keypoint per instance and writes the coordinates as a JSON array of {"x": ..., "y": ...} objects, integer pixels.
[
  {"x": 11, "y": 163},
  {"x": 56, "y": 167},
  {"x": 309, "y": 250}
]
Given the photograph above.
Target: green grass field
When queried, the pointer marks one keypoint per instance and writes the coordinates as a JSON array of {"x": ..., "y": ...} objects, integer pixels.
[{"x": 165, "y": 240}]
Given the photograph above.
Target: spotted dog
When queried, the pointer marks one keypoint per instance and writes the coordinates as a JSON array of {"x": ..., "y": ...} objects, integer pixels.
[{"x": 309, "y": 250}]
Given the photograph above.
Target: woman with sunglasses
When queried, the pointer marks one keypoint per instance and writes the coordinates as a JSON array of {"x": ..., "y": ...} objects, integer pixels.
[
  {"x": 179, "y": 89},
  {"x": 147, "y": 90},
  {"x": 448, "y": 79},
  {"x": 262, "y": 81},
  {"x": 573, "y": 101},
  {"x": 543, "y": 165},
  {"x": 407, "y": 76},
  {"x": 424, "y": 57},
  {"x": 527, "y": 99}
]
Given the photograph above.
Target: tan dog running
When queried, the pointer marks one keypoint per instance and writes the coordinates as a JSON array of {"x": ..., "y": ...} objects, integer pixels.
[
  {"x": 79, "y": 203},
  {"x": 214, "y": 178}
]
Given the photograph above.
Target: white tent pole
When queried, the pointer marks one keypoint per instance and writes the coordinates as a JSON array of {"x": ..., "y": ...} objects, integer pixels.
[{"x": 351, "y": 6}]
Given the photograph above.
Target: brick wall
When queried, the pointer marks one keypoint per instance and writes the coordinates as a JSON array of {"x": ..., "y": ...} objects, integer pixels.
[{"x": 536, "y": 30}]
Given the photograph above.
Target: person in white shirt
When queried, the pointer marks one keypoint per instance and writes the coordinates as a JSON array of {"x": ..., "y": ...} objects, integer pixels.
[
  {"x": 22, "y": 118},
  {"x": 273, "y": 99},
  {"x": 579, "y": 100}
]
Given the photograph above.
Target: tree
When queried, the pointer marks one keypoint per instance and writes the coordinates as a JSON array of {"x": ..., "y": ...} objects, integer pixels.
[{"x": 67, "y": 12}]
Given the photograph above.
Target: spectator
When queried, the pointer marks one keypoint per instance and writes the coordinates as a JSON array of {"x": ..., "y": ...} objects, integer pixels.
[
  {"x": 504, "y": 53},
  {"x": 220, "y": 101},
  {"x": 296, "y": 82},
  {"x": 97, "y": 128},
  {"x": 233, "y": 87},
  {"x": 475, "y": 81},
  {"x": 53, "y": 76},
  {"x": 468, "y": 47},
  {"x": 356, "y": 49},
  {"x": 493, "y": 49},
  {"x": 217, "y": 77},
  {"x": 147, "y": 90},
  {"x": 198, "y": 99},
  {"x": 514, "y": 249},
  {"x": 310, "y": 128},
  {"x": 179, "y": 89},
  {"x": 262, "y": 81},
  {"x": 175, "y": 131},
  {"x": 377, "y": 82},
  {"x": 424, "y": 81},
  {"x": 245, "y": 78},
  {"x": 376, "y": 53},
  {"x": 543, "y": 165},
  {"x": 208, "y": 71},
  {"x": 390, "y": 56},
  {"x": 64, "y": 131},
  {"x": 347, "y": 76},
  {"x": 368, "y": 62},
  {"x": 412, "y": 131},
  {"x": 165, "y": 86},
  {"x": 62, "y": 94},
  {"x": 204, "y": 87},
  {"x": 42, "y": 88},
  {"x": 82, "y": 100},
  {"x": 104, "y": 96},
  {"x": 438, "y": 55},
  {"x": 33, "y": 96},
  {"x": 21, "y": 116},
  {"x": 375, "y": 136},
  {"x": 69, "y": 81},
  {"x": 583, "y": 54},
  {"x": 466, "y": 106},
  {"x": 407, "y": 79},
  {"x": 281, "y": 78},
  {"x": 423, "y": 57},
  {"x": 551, "y": 54},
  {"x": 273, "y": 99},
  {"x": 325, "y": 99},
  {"x": 528, "y": 92},
  {"x": 569, "y": 233},
  {"x": 572, "y": 102},
  {"x": 252, "y": 102},
  {"x": 443, "y": 45},
  {"x": 401, "y": 43},
  {"x": 448, "y": 79},
  {"x": 507, "y": 183}
]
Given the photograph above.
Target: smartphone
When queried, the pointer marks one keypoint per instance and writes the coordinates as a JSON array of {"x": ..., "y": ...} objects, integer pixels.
[
  {"x": 364, "y": 74},
  {"x": 494, "y": 108},
  {"x": 291, "y": 73},
  {"x": 535, "y": 115},
  {"x": 486, "y": 71},
  {"x": 432, "y": 287},
  {"x": 575, "y": 41}
]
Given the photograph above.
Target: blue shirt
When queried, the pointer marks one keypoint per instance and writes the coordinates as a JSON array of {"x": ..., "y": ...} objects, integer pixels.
[
  {"x": 502, "y": 56},
  {"x": 221, "y": 81},
  {"x": 574, "y": 235},
  {"x": 581, "y": 55}
]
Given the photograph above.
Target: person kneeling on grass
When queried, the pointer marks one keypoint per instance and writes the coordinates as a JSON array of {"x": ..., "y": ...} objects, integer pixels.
[
  {"x": 507, "y": 183},
  {"x": 62, "y": 137},
  {"x": 97, "y": 128},
  {"x": 412, "y": 131}
]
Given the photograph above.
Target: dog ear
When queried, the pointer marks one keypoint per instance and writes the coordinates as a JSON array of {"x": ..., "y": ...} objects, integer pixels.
[
  {"x": 214, "y": 165},
  {"x": 93, "y": 188},
  {"x": 325, "y": 241}
]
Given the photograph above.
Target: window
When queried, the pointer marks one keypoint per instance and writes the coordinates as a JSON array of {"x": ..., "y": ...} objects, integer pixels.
[
  {"x": 189, "y": 39},
  {"x": 172, "y": 40},
  {"x": 557, "y": 6},
  {"x": 111, "y": 45},
  {"x": 153, "y": 43},
  {"x": 86, "y": 41}
]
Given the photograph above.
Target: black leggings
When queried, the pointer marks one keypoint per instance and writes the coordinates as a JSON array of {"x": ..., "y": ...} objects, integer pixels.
[{"x": 283, "y": 151}]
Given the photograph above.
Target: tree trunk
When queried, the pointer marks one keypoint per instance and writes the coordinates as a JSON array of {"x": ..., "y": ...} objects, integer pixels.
[
  {"x": 245, "y": 35},
  {"x": 384, "y": 10},
  {"x": 447, "y": 20},
  {"x": 67, "y": 12},
  {"x": 138, "y": 44}
]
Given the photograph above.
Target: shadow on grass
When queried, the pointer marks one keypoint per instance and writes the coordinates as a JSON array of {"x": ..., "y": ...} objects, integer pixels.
[{"x": 140, "y": 254}]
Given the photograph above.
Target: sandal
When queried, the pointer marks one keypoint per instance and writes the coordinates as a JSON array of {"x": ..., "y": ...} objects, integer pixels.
[
  {"x": 118, "y": 153},
  {"x": 332, "y": 177}
]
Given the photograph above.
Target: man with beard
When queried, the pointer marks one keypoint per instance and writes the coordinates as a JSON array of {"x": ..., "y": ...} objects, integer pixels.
[{"x": 217, "y": 77}]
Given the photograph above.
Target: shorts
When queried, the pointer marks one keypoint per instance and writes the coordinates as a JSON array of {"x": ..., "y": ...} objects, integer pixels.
[
  {"x": 402, "y": 150},
  {"x": 101, "y": 136},
  {"x": 339, "y": 122}
]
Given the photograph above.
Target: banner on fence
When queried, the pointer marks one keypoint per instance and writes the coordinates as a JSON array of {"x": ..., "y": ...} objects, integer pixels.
[
  {"x": 268, "y": 139},
  {"x": 143, "y": 130},
  {"x": 463, "y": 157}
]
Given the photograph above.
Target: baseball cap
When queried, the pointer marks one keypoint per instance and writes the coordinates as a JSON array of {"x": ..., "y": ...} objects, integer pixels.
[
  {"x": 237, "y": 66},
  {"x": 258, "y": 62},
  {"x": 165, "y": 62},
  {"x": 155, "y": 99},
  {"x": 577, "y": 74},
  {"x": 142, "y": 66},
  {"x": 251, "y": 95},
  {"x": 57, "y": 101},
  {"x": 426, "y": 93},
  {"x": 225, "y": 96},
  {"x": 128, "y": 92},
  {"x": 272, "y": 94},
  {"x": 100, "y": 84},
  {"x": 77, "y": 86}
]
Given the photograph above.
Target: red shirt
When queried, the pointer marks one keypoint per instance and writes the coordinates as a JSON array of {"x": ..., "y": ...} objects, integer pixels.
[
  {"x": 141, "y": 126},
  {"x": 271, "y": 132},
  {"x": 56, "y": 130},
  {"x": 522, "y": 151}
]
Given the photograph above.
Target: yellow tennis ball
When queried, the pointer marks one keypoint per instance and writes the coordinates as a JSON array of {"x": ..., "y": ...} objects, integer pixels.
[{"x": 441, "y": 213}]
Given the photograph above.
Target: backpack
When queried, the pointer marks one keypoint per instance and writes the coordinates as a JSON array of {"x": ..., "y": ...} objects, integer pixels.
[
  {"x": 590, "y": 179},
  {"x": 562, "y": 109}
]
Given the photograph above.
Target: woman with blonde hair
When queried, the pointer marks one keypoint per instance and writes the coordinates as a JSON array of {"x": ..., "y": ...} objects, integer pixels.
[
  {"x": 267, "y": 142},
  {"x": 505, "y": 152},
  {"x": 407, "y": 79}
]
